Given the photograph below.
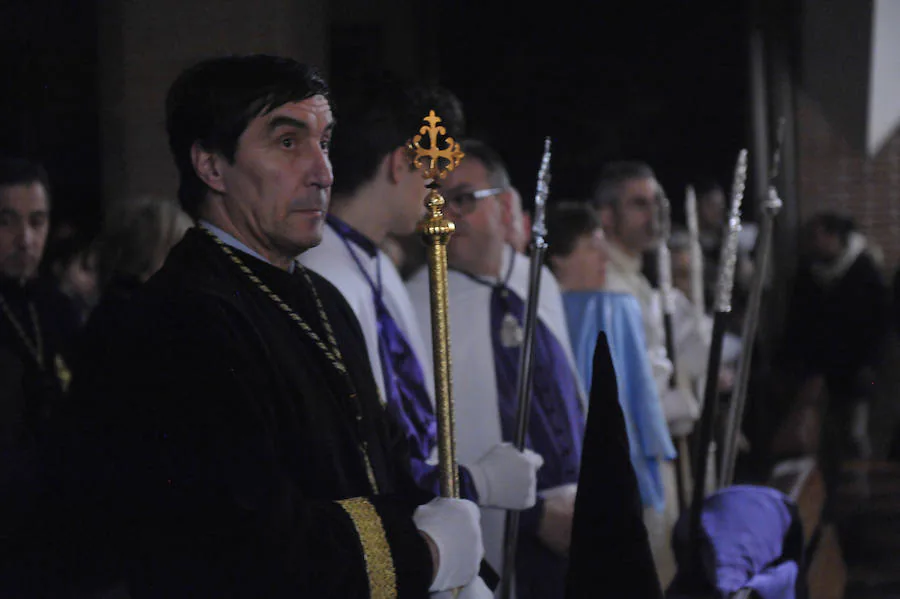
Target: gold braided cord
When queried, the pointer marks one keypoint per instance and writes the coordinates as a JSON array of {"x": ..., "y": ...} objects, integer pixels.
[
  {"x": 36, "y": 348},
  {"x": 333, "y": 353},
  {"x": 376, "y": 550}
]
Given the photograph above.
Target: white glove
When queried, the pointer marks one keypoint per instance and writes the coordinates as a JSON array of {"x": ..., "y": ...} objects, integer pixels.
[
  {"x": 474, "y": 590},
  {"x": 454, "y": 525},
  {"x": 506, "y": 477},
  {"x": 661, "y": 366},
  {"x": 680, "y": 410}
]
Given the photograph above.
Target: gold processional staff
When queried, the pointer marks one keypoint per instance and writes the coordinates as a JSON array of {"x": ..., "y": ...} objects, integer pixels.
[{"x": 439, "y": 156}]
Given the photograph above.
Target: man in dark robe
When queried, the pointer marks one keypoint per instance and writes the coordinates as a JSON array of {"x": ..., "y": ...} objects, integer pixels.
[
  {"x": 37, "y": 324},
  {"x": 837, "y": 321},
  {"x": 227, "y": 439}
]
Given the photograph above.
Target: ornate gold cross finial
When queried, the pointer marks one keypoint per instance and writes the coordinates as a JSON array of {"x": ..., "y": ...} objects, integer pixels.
[{"x": 440, "y": 160}]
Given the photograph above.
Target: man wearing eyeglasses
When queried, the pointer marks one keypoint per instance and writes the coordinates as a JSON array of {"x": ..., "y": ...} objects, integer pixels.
[{"x": 488, "y": 285}]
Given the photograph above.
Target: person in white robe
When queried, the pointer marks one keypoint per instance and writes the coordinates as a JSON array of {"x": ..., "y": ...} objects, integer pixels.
[
  {"x": 577, "y": 253},
  {"x": 488, "y": 287},
  {"x": 376, "y": 195},
  {"x": 626, "y": 197}
]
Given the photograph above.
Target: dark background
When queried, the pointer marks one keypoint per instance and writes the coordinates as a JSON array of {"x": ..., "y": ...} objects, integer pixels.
[
  {"x": 662, "y": 81},
  {"x": 48, "y": 98}
]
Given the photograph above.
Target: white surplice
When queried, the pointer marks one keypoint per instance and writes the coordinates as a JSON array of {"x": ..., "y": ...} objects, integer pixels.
[
  {"x": 474, "y": 382},
  {"x": 332, "y": 260},
  {"x": 623, "y": 274}
]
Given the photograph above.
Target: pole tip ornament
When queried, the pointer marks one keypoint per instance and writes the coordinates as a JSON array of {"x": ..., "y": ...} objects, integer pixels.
[
  {"x": 539, "y": 225},
  {"x": 663, "y": 255},
  {"x": 664, "y": 217},
  {"x": 442, "y": 152},
  {"x": 690, "y": 209},
  {"x": 773, "y": 203},
  {"x": 439, "y": 156},
  {"x": 728, "y": 255}
]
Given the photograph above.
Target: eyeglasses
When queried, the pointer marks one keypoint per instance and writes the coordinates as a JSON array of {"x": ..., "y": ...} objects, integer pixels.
[{"x": 465, "y": 202}]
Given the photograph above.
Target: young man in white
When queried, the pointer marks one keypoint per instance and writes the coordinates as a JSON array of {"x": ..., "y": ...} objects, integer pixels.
[{"x": 376, "y": 194}]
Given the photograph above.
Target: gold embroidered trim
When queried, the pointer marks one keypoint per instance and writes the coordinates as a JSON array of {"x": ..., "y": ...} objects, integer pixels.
[{"x": 376, "y": 551}]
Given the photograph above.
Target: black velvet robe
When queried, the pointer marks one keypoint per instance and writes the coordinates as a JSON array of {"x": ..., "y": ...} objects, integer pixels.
[
  {"x": 838, "y": 329},
  {"x": 610, "y": 555},
  {"x": 28, "y": 396},
  {"x": 28, "y": 393},
  {"x": 209, "y": 441}
]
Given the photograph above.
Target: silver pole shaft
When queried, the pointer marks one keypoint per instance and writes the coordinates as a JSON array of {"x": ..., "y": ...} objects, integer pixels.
[{"x": 748, "y": 335}]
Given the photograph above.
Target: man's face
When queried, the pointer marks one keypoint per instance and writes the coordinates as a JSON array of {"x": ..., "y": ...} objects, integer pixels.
[
  {"x": 824, "y": 246},
  {"x": 633, "y": 222},
  {"x": 711, "y": 209},
  {"x": 585, "y": 268},
  {"x": 480, "y": 222},
  {"x": 79, "y": 278},
  {"x": 277, "y": 189},
  {"x": 24, "y": 222}
]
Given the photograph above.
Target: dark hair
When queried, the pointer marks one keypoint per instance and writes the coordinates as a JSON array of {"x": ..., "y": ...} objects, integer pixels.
[
  {"x": 378, "y": 113},
  {"x": 63, "y": 250},
  {"x": 612, "y": 176},
  {"x": 212, "y": 102},
  {"x": 493, "y": 163},
  {"x": 705, "y": 185},
  {"x": 21, "y": 171},
  {"x": 834, "y": 224},
  {"x": 567, "y": 221}
]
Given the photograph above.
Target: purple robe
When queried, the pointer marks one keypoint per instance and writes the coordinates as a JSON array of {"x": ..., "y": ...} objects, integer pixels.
[{"x": 555, "y": 431}]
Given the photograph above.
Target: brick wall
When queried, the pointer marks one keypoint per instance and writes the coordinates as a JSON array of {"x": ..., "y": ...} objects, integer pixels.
[{"x": 835, "y": 175}]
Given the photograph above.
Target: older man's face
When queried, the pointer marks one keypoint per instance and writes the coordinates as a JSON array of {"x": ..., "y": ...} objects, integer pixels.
[
  {"x": 277, "y": 187},
  {"x": 634, "y": 221},
  {"x": 481, "y": 224}
]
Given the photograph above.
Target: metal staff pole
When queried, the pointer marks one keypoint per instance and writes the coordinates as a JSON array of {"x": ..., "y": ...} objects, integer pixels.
[
  {"x": 736, "y": 407},
  {"x": 526, "y": 358},
  {"x": 693, "y": 225},
  {"x": 727, "y": 260},
  {"x": 664, "y": 269},
  {"x": 771, "y": 208}
]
